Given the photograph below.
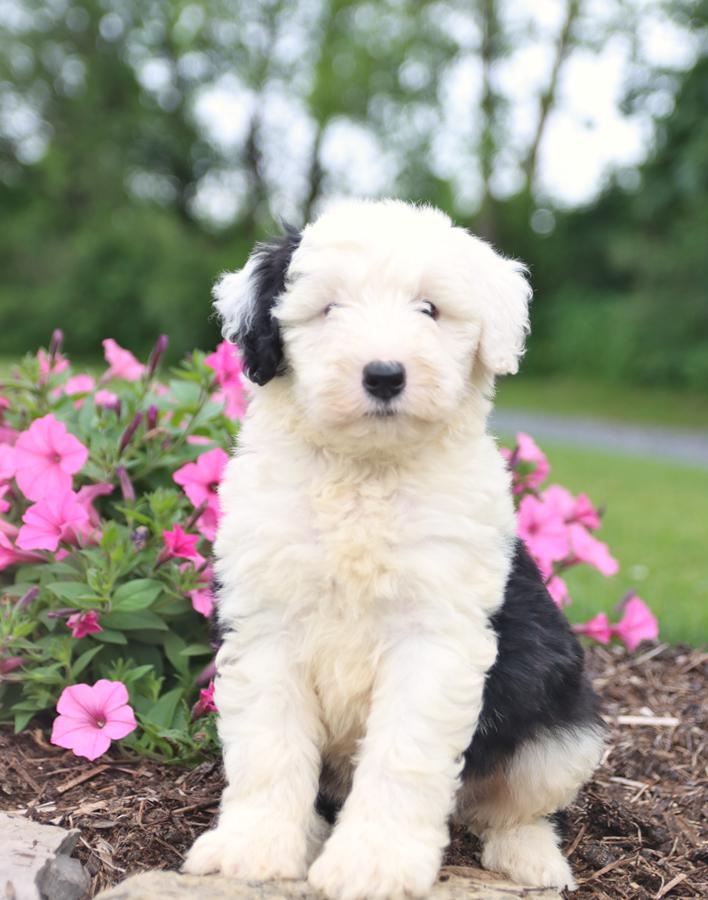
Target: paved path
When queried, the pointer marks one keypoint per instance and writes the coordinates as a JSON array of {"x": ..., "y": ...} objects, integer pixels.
[{"x": 688, "y": 447}]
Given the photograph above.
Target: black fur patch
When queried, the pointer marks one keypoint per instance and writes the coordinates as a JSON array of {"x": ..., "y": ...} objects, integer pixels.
[
  {"x": 261, "y": 343},
  {"x": 537, "y": 681}
]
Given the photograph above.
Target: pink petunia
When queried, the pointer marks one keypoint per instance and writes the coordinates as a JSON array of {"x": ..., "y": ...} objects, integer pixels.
[
  {"x": 543, "y": 530},
  {"x": 9, "y": 554},
  {"x": 528, "y": 451},
  {"x": 226, "y": 363},
  {"x": 637, "y": 624},
  {"x": 88, "y": 494},
  {"x": 180, "y": 544},
  {"x": 91, "y": 716},
  {"x": 205, "y": 704},
  {"x": 558, "y": 590},
  {"x": 60, "y": 517},
  {"x": 200, "y": 481},
  {"x": 106, "y": 399},
  {"x": 7, "y": 462},
  {"x": 77, "y": 384},
  {"x": 585, "y": 548},
  {"x": 51, "y": 365},
  {"x": 46, "y": 457},
  {"x": 577, "y": 510},
  {"x": 597, "y": 628},
  {"x": 81, "y": 624},
  {"x": 121, "y": 362}
]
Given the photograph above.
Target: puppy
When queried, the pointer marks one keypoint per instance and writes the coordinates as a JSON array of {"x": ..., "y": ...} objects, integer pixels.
[{"x": 391, "y": 655}]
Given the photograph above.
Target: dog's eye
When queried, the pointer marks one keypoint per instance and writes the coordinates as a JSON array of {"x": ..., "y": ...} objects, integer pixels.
[
  {"x": 429, "y": 309},
  {"x": 328, "y": 309}
]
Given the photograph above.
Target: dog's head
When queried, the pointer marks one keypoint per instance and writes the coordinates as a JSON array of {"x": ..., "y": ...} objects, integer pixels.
[{"x": 376, "y": 316}]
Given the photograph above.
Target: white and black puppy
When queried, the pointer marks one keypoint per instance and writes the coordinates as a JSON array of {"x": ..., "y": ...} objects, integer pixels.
[{"x": 390, "y": 651}]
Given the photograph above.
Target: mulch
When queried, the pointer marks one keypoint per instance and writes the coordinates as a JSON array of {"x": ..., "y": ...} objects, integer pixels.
[{"x": 638, "y": 829}]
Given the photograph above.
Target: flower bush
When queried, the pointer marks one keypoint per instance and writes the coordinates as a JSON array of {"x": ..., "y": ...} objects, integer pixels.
[{"x": 108, "y": 507}]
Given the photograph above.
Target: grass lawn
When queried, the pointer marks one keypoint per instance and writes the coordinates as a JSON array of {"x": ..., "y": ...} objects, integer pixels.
[
  {"x": 593, "y": 399},
  {"x": 656, "y": 525}
]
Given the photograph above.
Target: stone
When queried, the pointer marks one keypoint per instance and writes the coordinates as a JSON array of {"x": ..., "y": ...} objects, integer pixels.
[
  {"x": 456, "y": 883},
  {"x": 35, "y": 861}
]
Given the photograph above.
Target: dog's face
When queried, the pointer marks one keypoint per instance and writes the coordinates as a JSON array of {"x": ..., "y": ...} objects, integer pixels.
[{"x": 375, "y": 315}]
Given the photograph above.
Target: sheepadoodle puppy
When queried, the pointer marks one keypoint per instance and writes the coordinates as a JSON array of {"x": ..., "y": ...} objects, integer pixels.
[{"x": 391, "y": 659}]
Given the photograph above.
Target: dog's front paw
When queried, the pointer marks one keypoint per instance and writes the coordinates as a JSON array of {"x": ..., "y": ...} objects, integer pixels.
[
  {"x": 251, "y": 854},
  {"x": 374, "y": 863},
  {"x": 529, "y": 855}
]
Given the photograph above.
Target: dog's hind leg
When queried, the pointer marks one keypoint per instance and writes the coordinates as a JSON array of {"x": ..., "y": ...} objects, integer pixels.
[{"x": 511, "y": 809}]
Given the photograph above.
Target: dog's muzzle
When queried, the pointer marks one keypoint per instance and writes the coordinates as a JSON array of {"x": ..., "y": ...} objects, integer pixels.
[{"x": 384, "y": 380}]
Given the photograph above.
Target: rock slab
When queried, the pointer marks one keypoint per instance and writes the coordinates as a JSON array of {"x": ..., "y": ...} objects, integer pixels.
[
  {"x": 456, "y": 883},
  {"x": 35, "y": 862}
]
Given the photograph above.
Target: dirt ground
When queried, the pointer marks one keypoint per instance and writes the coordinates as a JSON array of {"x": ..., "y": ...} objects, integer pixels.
[{"x": 638, "y": 830}]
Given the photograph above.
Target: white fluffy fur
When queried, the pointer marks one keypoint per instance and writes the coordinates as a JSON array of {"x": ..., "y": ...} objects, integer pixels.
[{"x": 361, "y": 558}]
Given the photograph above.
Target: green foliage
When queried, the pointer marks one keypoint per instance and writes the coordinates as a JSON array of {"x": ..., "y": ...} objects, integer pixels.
[{"x": 151, "y": 637}]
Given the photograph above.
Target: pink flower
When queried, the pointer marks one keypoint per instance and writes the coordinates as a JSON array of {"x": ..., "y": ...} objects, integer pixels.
[
  {"x": 558, "y": 590},
  {"x": 179, "y": 543},
  {"x": 637, "y": 624},
  {"x": 528, "y": 451},
  {"x": 7, "y": 462},
  {"x": 200, "y": 481},
  {"x": 122, "y": 363},
  {"x": 226, "y": 362},
  {"x": 585, "y": 548},
  {"x": 51, "y": 365},
  {"x": 205, "y": 704},
  {"x": 59, "y": 517},
  {"x": 202, "y": 601},
  {"x": 46, "y": 456},
  {"x": 9, "y": 554},
  {"x": 82, "y": 624},
  {"x": 543, "y": 530},
  {"x": 91, "y": 716},
  {"x": 597, "y": 628},
  {"x": 106, "y": 399},
  {"x": 585, "y": 513},
  {"x": 572, "y": 509},
  {"x": 86, "y": 496},
  {"x": 77, "y": 384}
]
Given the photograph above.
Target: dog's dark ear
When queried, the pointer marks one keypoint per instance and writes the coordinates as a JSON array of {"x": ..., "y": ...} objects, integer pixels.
[{"x": 245, "y": 300}]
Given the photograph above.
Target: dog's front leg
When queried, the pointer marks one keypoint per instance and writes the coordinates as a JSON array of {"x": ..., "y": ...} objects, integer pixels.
[
  {"x": 270, "y": 733},
  {"x": 389, "y": 838}
]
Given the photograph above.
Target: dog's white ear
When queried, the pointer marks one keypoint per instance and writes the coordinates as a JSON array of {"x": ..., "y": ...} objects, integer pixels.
[
  {"x": 245, "y": 299},
  {"x": 505, "y": 315}
]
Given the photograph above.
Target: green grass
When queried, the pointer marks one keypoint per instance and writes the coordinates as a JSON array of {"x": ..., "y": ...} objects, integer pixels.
[
  {"x": 655, "y": 525},
  {"x": 588, "y": 398}
]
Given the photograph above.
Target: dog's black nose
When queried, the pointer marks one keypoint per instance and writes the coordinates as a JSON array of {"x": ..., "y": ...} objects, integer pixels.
[{"x": 384, "y": 380}]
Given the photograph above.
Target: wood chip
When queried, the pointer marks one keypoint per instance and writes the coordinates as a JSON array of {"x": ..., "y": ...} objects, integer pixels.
[
  {"x": 655, "y": 721},
  {"x": 79, "y": 779}
]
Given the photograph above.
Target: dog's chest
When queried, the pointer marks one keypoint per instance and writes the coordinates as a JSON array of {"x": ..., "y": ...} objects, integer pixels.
[{"x": 357, "y": 522}]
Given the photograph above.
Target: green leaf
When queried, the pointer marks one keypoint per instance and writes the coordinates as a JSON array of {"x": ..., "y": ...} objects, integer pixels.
[
  {"x": 70, "y": 590},
  {"x": 174, "y": 645},
  {"x": 107, "y": 636},
  {"x": 163, "y": 712},
  {"x": 22, "y": 718},
  {"x": 82, "y": 661},
  {"x": 132, "y": 621},
  {"x": 136, "y": 595},
  {"x": 197, "y": 650}
]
